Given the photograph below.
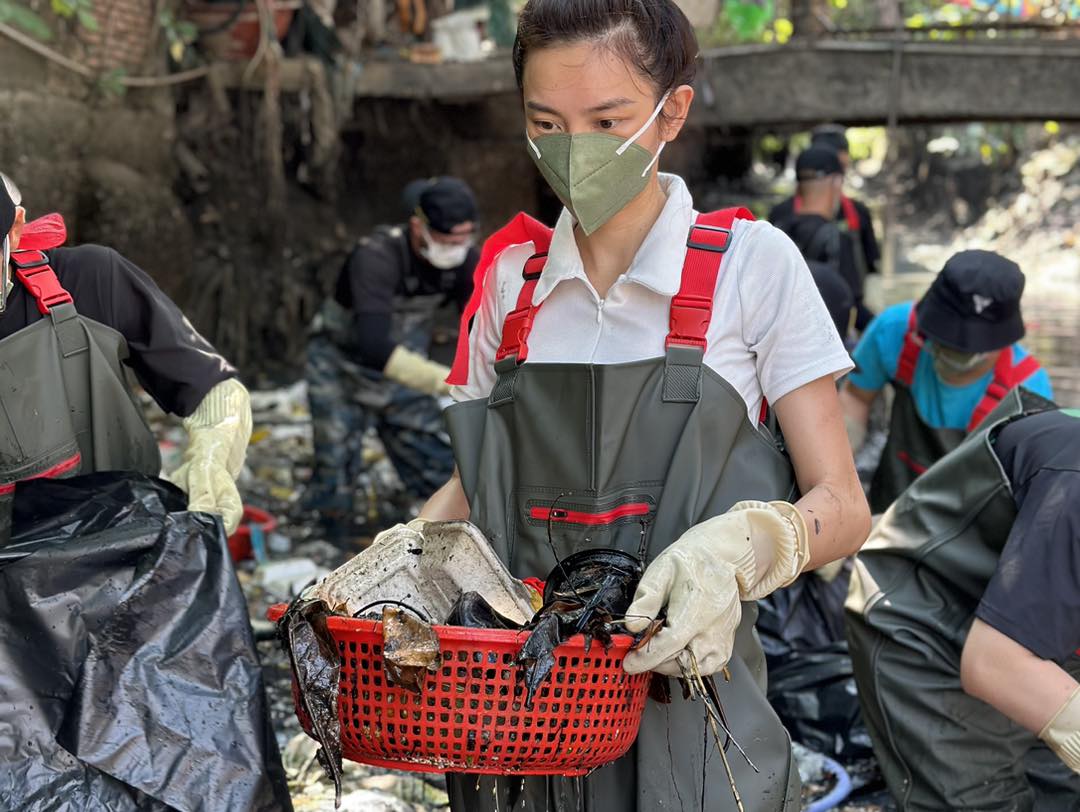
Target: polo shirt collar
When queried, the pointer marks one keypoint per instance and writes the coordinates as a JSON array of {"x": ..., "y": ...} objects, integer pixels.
[{"x": 659, "y": 261}]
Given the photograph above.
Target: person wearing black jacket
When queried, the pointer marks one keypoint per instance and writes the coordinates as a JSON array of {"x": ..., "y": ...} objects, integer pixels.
[
  {"x": 815, "y": 232},
  {"x": 367, "y": 360},
  {"x": 962, "y": 621},
  {"x": 852, "y": 217}
]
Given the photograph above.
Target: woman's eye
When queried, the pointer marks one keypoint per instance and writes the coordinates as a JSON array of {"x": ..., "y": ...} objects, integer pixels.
[
  {"x": 607, "y": 124},
  {"x": 545, "y": 126}
]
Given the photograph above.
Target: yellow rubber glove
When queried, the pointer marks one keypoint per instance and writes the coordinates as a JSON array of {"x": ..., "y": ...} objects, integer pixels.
[
  {"x": 1062, "y": 733},
  {"x": 413, "y": 370},
  {"x": 218, "y": 433},
  {"x": 743, "y": 555}
]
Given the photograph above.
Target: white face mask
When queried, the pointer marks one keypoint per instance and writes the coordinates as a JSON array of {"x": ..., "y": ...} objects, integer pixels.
[{"x": 442, "y": 256}]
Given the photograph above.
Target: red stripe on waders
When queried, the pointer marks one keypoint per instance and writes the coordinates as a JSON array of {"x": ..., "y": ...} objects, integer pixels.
[
  {"x": 545, "y": 514},
  {"x": 58, "y": 470}
]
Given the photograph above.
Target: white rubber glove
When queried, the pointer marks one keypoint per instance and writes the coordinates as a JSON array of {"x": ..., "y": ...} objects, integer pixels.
[
  {"x": 413, "y": 370},
  {"x": 1062, "y": 732},
  {"x": 743, "y": 555},
  {"x": 218, "y": 433}
]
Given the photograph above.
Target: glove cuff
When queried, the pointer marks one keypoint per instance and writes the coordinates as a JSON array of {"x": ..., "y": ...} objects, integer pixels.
[
  {"x": 783, "y": 533},
  {"x": 227, "y": 399},
  {"x": 413, "y": 370},
  {"x": 220, "y": 426},
  {"x": 1062, "y": 732}
]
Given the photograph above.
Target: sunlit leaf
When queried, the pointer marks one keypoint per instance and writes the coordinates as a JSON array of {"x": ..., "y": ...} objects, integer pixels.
[
  {"x": 25, "y": 20},
  {"x": 749, "y": 18},
  {"x": 88, "y": 21},
  {"x": 63, "y": 8}
]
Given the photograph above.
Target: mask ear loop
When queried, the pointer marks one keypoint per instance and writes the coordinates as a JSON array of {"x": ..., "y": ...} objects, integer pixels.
[
  {"x": 532, "y": 144},
  {"x": 648, "y": 123}
]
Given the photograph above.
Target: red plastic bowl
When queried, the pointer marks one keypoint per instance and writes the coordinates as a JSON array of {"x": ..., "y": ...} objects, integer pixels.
[
  {"x": 240, "y": 541},
  {"x": 471, "y": 716}
]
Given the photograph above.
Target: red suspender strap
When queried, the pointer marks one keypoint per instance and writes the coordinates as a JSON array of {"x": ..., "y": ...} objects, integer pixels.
[
  {"x": 33, "y": 270},
  {"x": 909, "y": 355},
  {"x": 32, "y": 265},
  {"x": 847, "y": 206},
  {"x": 1006, "y": 376},
  {"x": 520, "y": 230},
  {"x": 519, "y": 321},
  {"x": 691, "y": 307},
  {"x": 43, "y": 233},
  {"x": 851, "y": 214}
]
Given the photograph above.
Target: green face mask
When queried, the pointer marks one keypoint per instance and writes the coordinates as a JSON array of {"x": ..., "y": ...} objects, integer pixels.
[{"x": 594, "y": 174}]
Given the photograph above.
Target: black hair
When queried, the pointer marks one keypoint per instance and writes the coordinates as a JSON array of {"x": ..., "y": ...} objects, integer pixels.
[{"x": 652, "y": 35}]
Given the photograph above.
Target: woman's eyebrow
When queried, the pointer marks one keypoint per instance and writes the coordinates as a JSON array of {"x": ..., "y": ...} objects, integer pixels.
[
  {"x": 610, "y": 104},
  {"x": 541, "y": 108}
]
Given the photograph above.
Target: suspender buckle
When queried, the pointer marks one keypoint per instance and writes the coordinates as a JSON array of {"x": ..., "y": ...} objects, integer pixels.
[
  {"x": 690, "y": 317},
  {"x": 708, "y": 238},
  {"x": 40, "y": 280},
  {"x": 516, "y": 329},
  {"x": 534, "y": 267}
]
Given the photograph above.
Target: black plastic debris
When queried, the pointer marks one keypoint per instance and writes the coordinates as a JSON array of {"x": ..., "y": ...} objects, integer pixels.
[
  {"x": 811, "y": 682},
  {"x": 587, "y": 593},
  {"x": 128, "y": 673},
  {"x": 473, "y": 612}
]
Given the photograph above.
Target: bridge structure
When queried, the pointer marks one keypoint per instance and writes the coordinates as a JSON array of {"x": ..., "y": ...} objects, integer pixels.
[{"x": 1023, "y": 71}]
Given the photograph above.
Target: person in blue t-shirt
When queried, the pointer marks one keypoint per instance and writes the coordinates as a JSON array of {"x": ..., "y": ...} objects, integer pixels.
[{"x": 950, "y": 358}]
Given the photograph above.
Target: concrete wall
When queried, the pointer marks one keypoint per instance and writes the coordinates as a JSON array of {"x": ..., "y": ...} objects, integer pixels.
[{"x": 105, "y": 164}]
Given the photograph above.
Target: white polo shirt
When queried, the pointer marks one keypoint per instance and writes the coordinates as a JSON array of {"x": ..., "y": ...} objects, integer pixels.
[{"x": 770, "y": 331}]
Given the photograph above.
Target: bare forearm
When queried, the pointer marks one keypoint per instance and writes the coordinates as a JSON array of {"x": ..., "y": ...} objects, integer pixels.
[
  {"x": 1004, "y": 674},
  {"x": 447, "y": 503},
  {"x": 837, "y": 520},
  {"x": 833, "y": 506}
]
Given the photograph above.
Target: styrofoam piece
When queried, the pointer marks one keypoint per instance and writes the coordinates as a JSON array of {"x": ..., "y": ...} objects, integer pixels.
[{"x": 426, "y": 572}]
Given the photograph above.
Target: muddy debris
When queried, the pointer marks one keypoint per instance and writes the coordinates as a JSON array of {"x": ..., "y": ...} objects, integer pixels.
[
  {"x": 410, "y": 649},
  {"x": 316, "y": 667}
]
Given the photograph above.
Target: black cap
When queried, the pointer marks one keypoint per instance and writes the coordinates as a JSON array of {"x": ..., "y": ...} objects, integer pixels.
[
  {"x": 831, "y": 136},
  {"x": 446, "y": 202},
  {"x": 7, "y": 211},
  {"x": 410, "y": 195},
  {"x": 974, "y": 303},
  {"x": 817, "y": 162}
]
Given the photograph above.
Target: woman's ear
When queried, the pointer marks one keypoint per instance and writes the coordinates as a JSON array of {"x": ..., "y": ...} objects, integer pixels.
[
  {"x": 15, "y": 235},
  {"x": 676, "y": 109}
]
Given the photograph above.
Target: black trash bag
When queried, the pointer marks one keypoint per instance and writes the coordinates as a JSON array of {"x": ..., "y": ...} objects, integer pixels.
[
  {"x": 814, "y": 695},
  {"x": 128, "y": 673},
  {"x": 805, "y": 616},
  {"x": 811, "y": 682}
]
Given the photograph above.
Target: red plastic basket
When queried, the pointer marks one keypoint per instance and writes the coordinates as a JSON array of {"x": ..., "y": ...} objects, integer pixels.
[
  {"x": 240, "y": 541},
  {"x": 471, "y": 716}
]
